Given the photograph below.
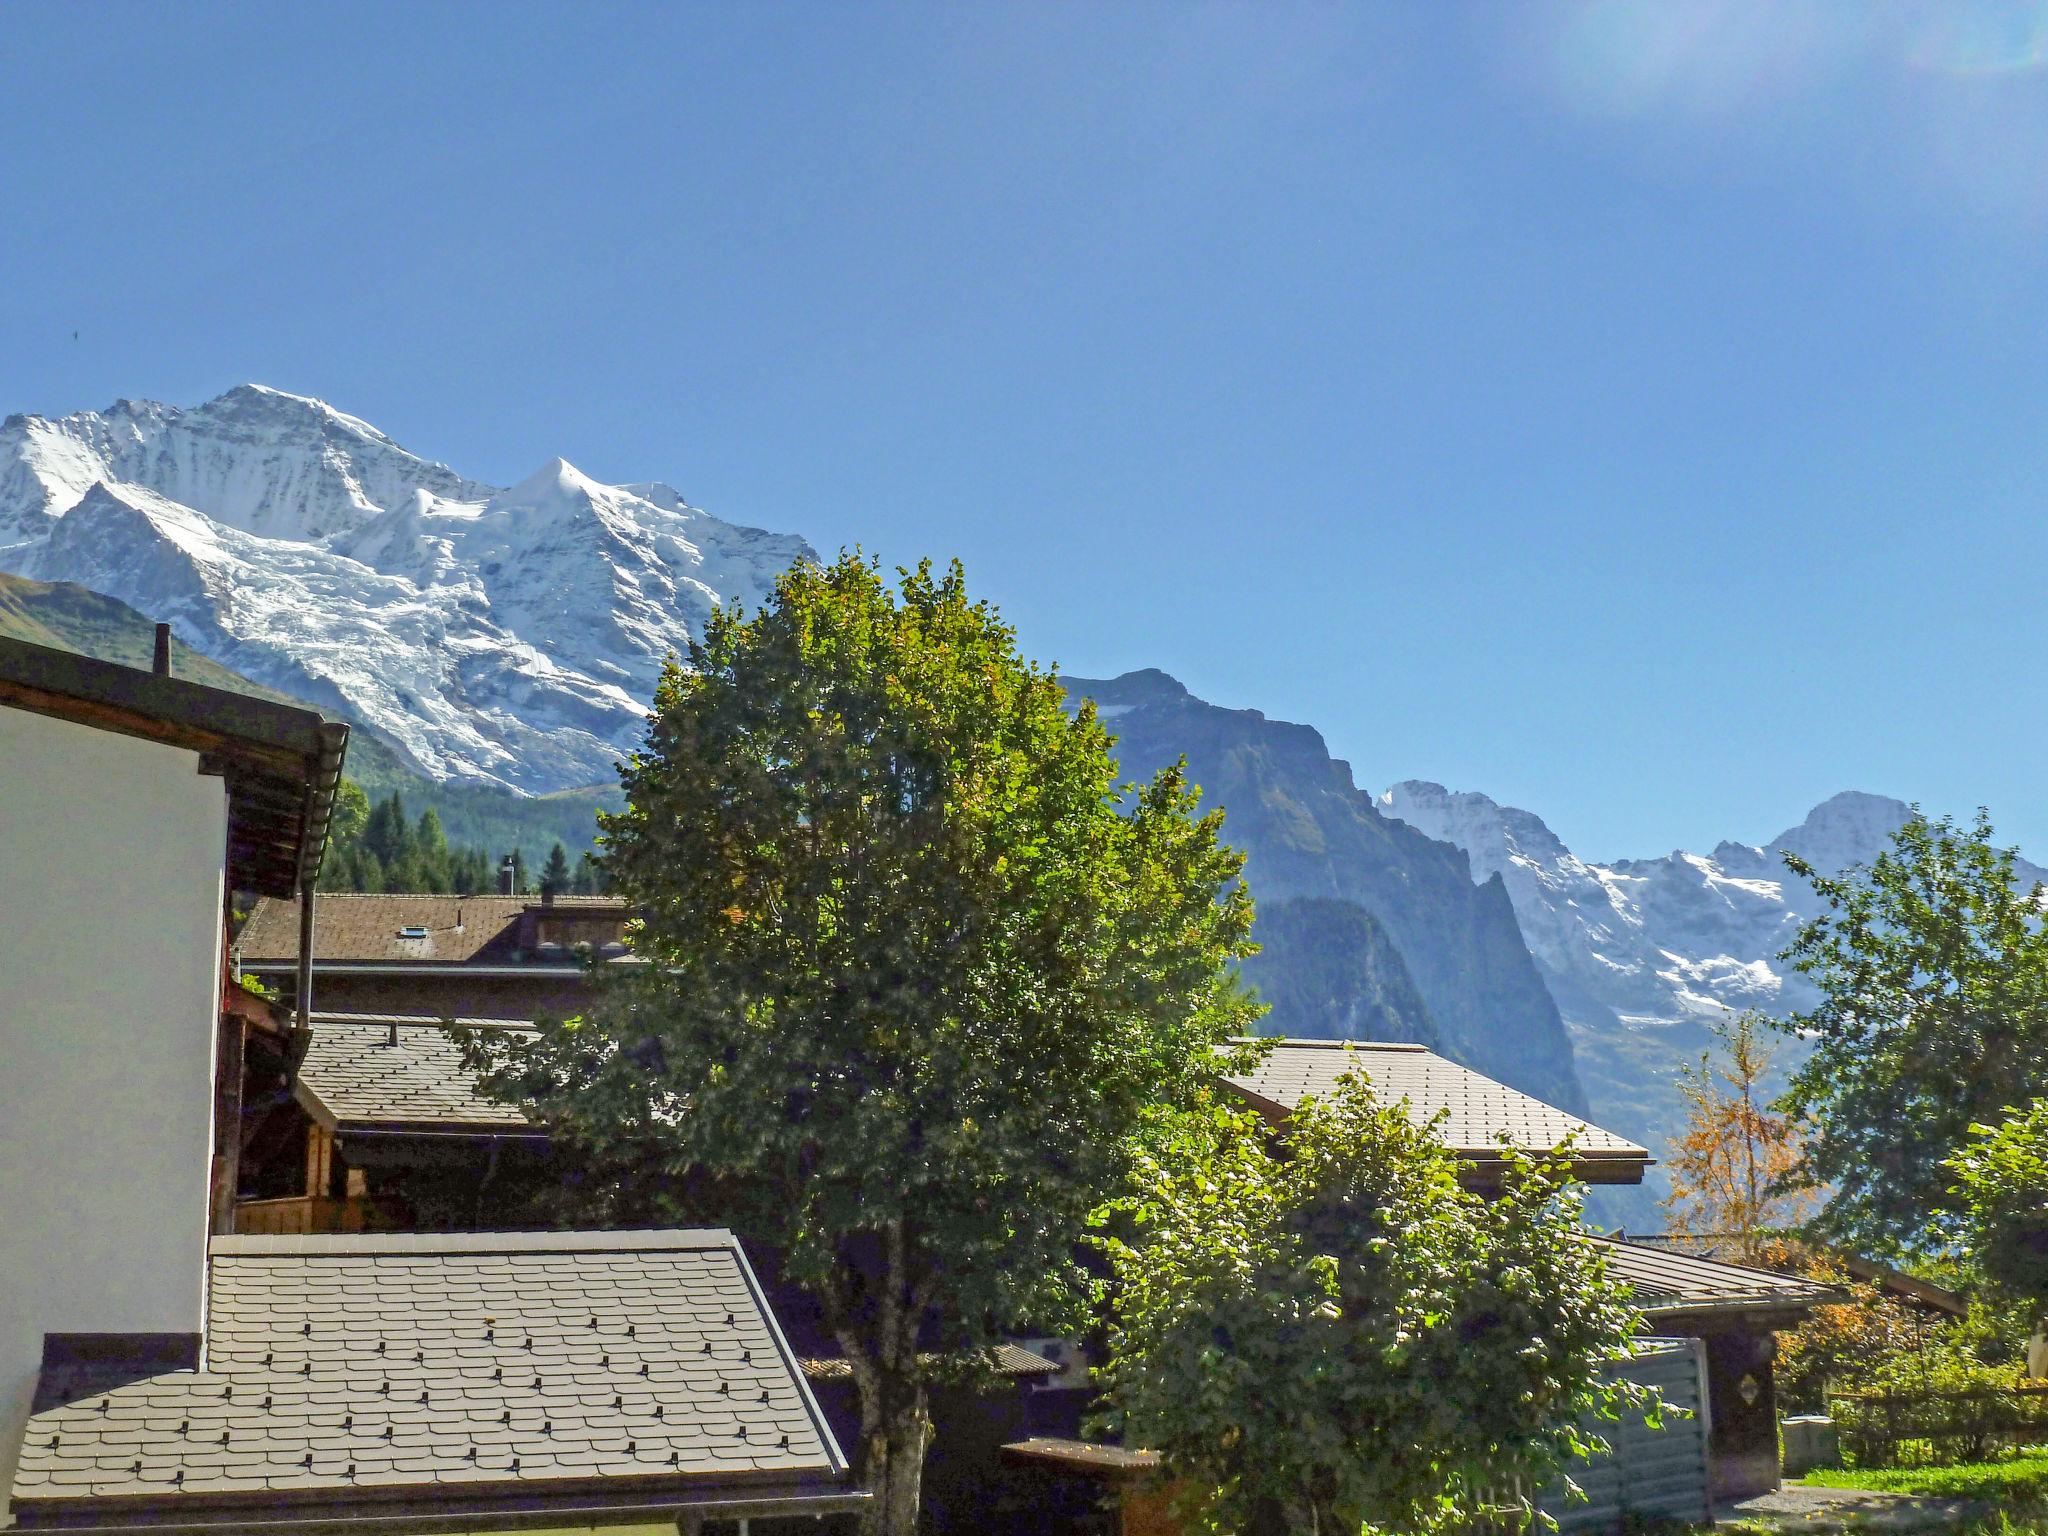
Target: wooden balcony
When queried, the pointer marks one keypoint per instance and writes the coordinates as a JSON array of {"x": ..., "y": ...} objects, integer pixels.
[{"x": 300, "y": 1214}]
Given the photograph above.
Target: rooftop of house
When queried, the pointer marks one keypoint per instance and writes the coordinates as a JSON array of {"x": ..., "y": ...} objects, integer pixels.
[
  {"x": 408, "y": 931},
  {"x": 1669, "y": 1283},
  {"x": 281, "y": 764},
  {"x": 1477, "y": 1112},
  {"x": 391, "y": 1074},
  {"x": 354, "y": 1378},
  {"x": 1923, "y": 1294}
]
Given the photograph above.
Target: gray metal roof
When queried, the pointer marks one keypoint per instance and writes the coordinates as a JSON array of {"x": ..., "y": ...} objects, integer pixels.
[
  {"x": 1668, "y": 1282},
  {"x": 399, "y": 1365},
  {"x": 1478, "y": 1111},
  {"x": 384, "y": 1072}
]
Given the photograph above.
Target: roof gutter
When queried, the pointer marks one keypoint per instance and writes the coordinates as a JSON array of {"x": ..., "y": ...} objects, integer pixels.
[
  {"x": 438, "y": 1513},
  {"x": 416, "y": 968},
  {"x": 1792, "y": 1307}
]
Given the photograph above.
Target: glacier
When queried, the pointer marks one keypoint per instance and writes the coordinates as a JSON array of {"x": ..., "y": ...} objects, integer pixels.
[
  {"x": 509, "y": 635},
  {"x": 1642, "y": 956}
]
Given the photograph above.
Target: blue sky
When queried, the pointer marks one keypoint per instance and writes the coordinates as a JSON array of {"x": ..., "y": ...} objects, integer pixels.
[{"x": 1634, "y": 411}]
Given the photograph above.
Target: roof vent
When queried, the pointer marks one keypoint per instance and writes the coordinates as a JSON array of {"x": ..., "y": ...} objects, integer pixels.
[{"x": 412, "y": 932}]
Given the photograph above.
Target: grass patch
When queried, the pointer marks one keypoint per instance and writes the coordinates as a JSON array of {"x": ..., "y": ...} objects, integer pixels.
[{"x": 2020, "y": 1480}]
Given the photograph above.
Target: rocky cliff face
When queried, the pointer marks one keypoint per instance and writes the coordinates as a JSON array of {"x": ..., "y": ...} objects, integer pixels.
[{"x": 1311, "y": 835}]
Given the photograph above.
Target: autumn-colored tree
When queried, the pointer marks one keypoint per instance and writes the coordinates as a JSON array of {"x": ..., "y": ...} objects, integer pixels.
[
  {"x": 1840, "y": 1343},
  {"x": 1734, "y": 1169}
]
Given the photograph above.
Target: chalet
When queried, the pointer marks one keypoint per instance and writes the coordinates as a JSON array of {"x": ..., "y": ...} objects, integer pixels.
[
  {"x": 159, "y": 1370},
  {"x": 495, "y": 957},
  {"x": 385, "y": 1130},
  {"x": 1734, "y": 1311}
]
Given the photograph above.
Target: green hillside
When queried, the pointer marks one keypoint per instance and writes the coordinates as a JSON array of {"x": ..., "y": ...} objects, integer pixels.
[{"x": 75, "y": 618}]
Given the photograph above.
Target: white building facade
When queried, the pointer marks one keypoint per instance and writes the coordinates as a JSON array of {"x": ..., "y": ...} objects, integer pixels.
[{"x": 128, "y": 802}]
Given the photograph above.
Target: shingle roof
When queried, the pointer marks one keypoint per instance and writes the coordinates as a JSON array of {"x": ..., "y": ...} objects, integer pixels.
[
  {"x": 1478, "y": 1110},
  {"x": 395, "y": 1366},
  {"x": 385, "y": 1073},
  {"x": 353, "y": 927},
  {"x": 1668, "y": 1282}
]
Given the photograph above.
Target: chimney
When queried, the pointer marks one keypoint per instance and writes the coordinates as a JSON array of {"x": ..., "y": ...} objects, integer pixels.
[
  {"x": 160, "y": 664},
  {"x": 508, "y": 877}
]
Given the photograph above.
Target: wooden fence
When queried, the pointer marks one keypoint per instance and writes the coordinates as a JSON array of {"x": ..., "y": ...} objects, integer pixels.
[{"x": 1909, "y": 1429}]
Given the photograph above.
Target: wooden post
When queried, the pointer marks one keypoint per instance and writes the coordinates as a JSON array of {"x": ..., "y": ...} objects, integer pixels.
[
  {"x": 230, "y": 1043},
  {"x": 305, "y": 997}
]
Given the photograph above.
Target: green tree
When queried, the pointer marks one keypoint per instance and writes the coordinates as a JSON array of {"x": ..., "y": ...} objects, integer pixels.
[
  {"x": 351, "y": 810},
  {"x": 2001, "y": 1181},
  {"x": 554, "y": 875},
  {"x": 387, "y": 833},
  {"x": 341, "y": 870},
  {"x": 1333, "y": 1332},
  {"x": 918, "y": 975},
  {"x": 1932, "y": 966},
  {"x": 431, "y": 853},
  {"x": 590, "y": 876},
  {"x": 373, "y": 848}
]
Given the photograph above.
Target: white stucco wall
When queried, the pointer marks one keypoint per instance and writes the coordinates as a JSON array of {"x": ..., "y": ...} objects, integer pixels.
[{"x": 111, "y": 873}]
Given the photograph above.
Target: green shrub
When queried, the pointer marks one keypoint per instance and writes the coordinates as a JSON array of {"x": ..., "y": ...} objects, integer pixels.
[{"x": 1940, "y": 1406}]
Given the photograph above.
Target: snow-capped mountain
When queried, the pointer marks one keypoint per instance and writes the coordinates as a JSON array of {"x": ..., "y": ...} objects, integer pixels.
[
  {"x": 1643, "y": 954},
  {"x": 509, "y": 635}
]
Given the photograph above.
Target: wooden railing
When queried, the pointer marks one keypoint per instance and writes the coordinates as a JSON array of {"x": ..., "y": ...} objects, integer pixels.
[
  {"x": 1899, "y": 1429},
  {"x": 297, "y": 1214}
]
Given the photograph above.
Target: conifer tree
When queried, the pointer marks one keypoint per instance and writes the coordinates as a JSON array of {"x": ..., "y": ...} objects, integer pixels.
[
  {"x": 554, "y": 875},
  {"x": 1734, "y": 1166}
]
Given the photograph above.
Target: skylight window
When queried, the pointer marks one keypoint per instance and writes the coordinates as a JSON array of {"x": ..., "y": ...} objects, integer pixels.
[{"x": 412, "y": 933}]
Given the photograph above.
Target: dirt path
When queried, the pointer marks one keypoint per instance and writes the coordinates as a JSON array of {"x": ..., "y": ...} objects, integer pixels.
[{"x": 1860, "y": 1509}]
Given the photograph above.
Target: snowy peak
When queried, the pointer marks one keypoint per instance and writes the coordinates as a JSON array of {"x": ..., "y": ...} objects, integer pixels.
[
  {"x": 1849, "y": 828},
  {"x": 1642, "y": 954},
  {"x": 255, "y": 458},
  {"x": 1129, "y": 690},
  {"x": 556, "y": 484},
  {"x": 1467, "y": 817},
  {"x": 508, "y": 635}
]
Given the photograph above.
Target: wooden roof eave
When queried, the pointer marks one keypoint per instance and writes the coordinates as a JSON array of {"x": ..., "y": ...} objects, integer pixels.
[{"x": 270, "y": 754}]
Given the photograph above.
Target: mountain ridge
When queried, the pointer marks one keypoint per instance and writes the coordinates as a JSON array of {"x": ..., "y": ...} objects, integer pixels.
[
  {"x": 1643, "y": 955},
  {"x": 509, "y": 635},
  {"x": 1310, "y": 834}
]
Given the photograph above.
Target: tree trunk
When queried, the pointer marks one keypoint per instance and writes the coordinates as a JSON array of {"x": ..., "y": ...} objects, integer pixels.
[{"x": 893, "y": 1435}]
